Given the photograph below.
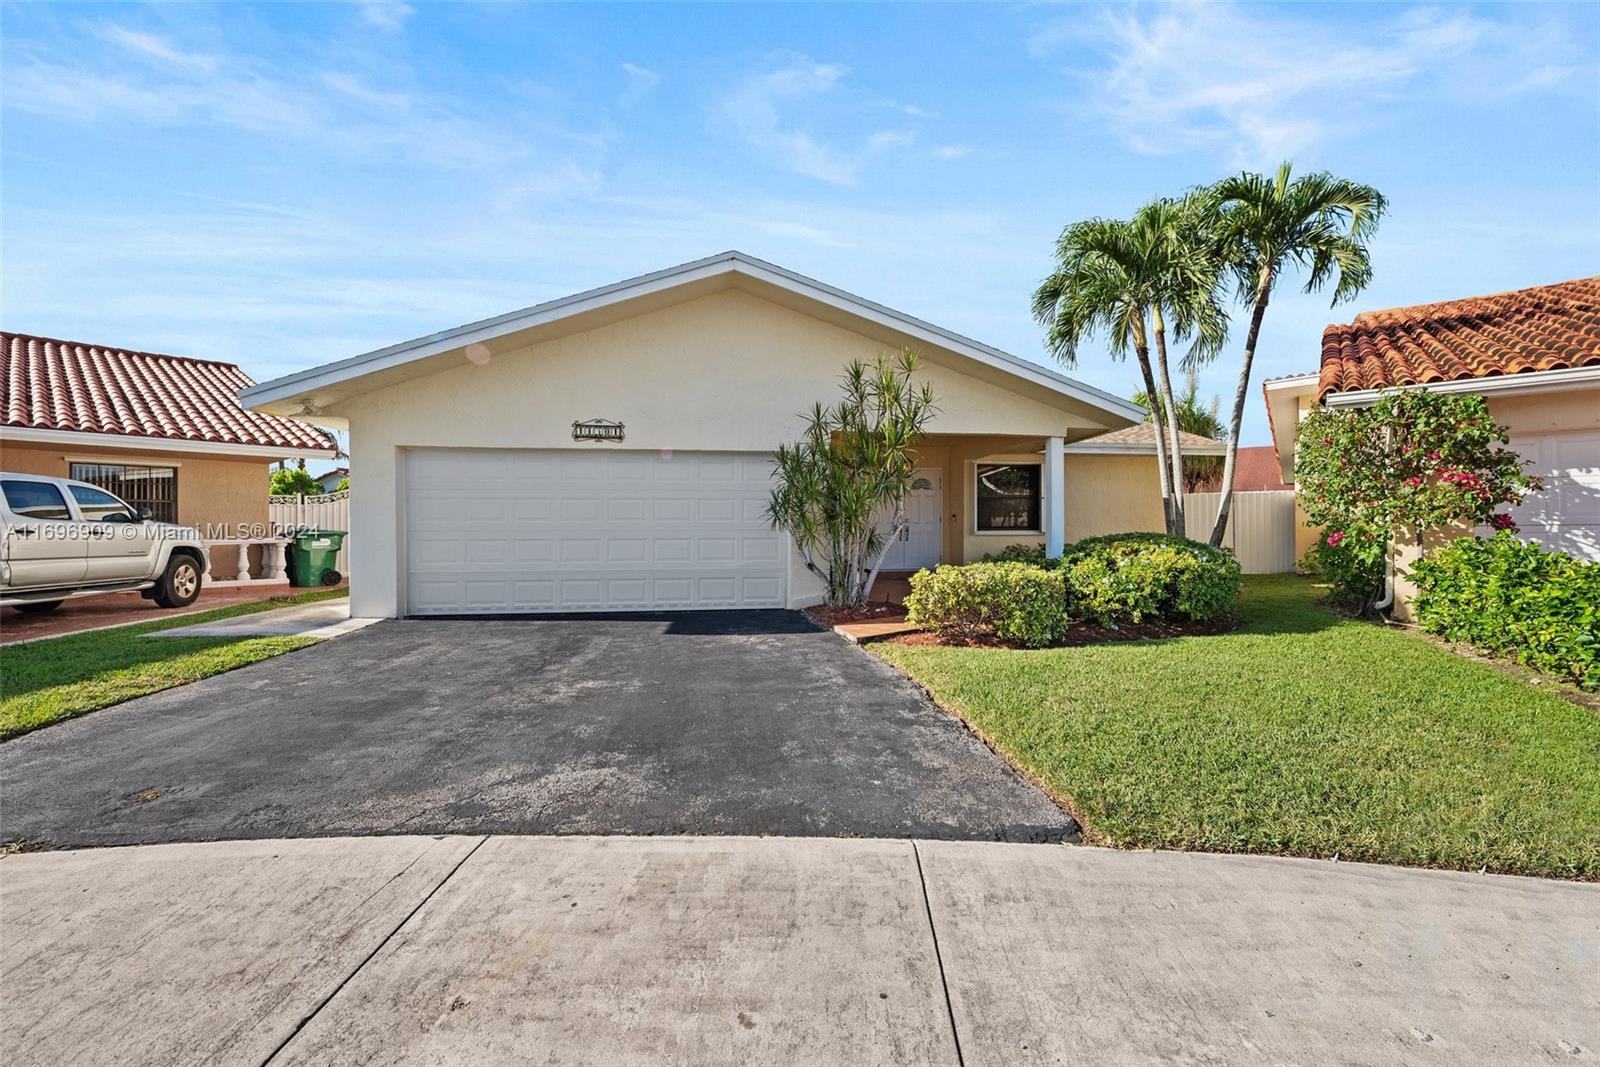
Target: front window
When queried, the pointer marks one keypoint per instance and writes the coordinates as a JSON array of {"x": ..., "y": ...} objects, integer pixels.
[
  {"x": 36, "y": 500},
  {"x": 155, "y": 488},
  {"x": 1008, "y": 497}
]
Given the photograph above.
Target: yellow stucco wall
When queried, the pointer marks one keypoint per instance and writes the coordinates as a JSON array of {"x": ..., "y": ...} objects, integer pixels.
[
  {"x": 728, "y": 371},
  {"x": 211, "y": 490}
]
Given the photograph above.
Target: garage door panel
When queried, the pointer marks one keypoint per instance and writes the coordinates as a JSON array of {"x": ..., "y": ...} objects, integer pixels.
[
  {"x": 1566, "y": 515},
  {"x": 611, "y": 531}
]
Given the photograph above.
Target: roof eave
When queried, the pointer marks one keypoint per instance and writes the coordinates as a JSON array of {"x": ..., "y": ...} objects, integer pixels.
[{"x": 137, "y": 443}]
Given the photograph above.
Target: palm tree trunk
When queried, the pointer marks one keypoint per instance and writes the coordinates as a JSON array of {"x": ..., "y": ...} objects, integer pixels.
[
  {"x": 1174, "y": 445},
  {"x": 1142, "y": 352},
  {"x": 1225, "y": 505}
]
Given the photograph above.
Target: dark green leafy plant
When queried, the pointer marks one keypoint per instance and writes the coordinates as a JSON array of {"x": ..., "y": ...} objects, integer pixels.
[
  {"x": 1515, "y": 599},
  {"x": 1412, "y": 462},
  {"x": 1016, "y": 602},
  {"x": 1134, "y": 577},
  {"x": 292, "y": 481}
]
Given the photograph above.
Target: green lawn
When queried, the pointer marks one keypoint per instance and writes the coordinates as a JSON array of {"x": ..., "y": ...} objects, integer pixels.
[
  {"x": 58, "y": 678},
  {"x": 1300, "y": 733}
]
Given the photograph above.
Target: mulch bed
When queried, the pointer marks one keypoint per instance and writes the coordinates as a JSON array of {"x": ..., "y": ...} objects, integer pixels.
[
  {"x": 831, "y": 617},
  {"x": 1082, "y": 633}
]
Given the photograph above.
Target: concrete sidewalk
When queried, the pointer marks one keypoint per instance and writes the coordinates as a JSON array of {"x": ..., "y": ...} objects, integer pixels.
[
  {"x": 327, "y": 618},
  {"x": 746, "y": 950}
]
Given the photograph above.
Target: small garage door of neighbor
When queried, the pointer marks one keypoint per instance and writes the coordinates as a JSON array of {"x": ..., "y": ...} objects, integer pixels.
[{"x": 490, "y": 531}]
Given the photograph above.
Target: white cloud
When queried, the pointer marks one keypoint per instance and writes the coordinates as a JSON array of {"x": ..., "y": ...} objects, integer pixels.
[
  {"x": 387, "y": 15},
  {"x": 1259, "y": 86},
  {"x": 952, "y": 151},
  {"x": 154, "y": 47},
  {"x": 642, "y": 81},
  {"x": 761, "y": 110}
]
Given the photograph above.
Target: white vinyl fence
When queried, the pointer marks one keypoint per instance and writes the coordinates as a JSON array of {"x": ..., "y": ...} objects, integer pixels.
[
  {"x": 1260, "y": 527},
  {"x": 327, "y": 512}
]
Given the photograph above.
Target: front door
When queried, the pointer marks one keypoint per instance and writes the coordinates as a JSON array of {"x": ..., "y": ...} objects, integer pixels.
[{"x": 921, "y": 543}]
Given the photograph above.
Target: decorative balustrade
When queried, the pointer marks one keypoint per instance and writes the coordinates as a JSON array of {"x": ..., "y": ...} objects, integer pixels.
[{"x": 270, "y": 564}]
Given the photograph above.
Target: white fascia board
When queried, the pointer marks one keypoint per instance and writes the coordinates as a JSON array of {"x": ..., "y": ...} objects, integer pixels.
[
  {"x": 1543, "y": 381},
  {"x": 134, "y": 443},
  {"x": 328, "y": 374},
  {"x": 1294, "y": 382},
  {"x": 1088, "y": 448}
]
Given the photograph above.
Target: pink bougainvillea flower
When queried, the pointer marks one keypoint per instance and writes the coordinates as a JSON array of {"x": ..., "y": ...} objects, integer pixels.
[
  {"x": 1413, "y": 481},
  {"x": 1334, "y": 538},
  {"x": 1502, "y": 521}
]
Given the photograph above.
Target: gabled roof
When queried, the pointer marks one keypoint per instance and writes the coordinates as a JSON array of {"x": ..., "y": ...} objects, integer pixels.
[
  {"x": 300, "y": 390},
  {"x": 1545, "y": 328},
  {"x": 1141, "y": 439},
  {"x": 49, "y": 386}
]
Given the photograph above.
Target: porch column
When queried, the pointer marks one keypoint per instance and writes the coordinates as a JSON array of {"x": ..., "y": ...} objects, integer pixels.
[{"x": 1055, "y": 504}]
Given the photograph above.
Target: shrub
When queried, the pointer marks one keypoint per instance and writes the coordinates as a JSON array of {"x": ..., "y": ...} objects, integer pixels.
[
  {"x": 1023, "y": 553},
  {"x": 1512, "y": 598},
  {"x": 1411, "y": 462},
  {"x": 1012, "y": 601},
  {"x": 1132, "y": 577}
]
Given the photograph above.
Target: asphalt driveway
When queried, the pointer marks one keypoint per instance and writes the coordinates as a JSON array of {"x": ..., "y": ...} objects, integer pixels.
[{"x": 701, "y": 723}]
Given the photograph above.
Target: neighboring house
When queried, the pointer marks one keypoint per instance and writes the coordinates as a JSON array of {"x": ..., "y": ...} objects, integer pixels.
[
  {"x": 1255, "y": 470},
  {"x": 162, "y": 432},
  {"x": 612, "y": 450},
  {"x": 1534, "y": 354},
  {"x": 331, "y": 479}
]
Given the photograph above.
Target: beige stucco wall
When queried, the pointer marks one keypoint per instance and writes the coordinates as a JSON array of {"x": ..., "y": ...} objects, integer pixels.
[
  {"x": 212, "y": 490},
  {"x": 728, "y": 371}
]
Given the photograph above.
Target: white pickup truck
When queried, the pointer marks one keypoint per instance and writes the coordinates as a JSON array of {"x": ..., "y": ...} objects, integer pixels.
[{"x": 65, "y": 539}]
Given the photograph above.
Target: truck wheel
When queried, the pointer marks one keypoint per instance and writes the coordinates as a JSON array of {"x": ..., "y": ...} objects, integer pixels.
[
  {"x": 179, "y": 585},
  {"x": 39, "y": 607}
]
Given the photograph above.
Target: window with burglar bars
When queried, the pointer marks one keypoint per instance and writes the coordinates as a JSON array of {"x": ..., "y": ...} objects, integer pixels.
[{"x": 155, "y": 488}]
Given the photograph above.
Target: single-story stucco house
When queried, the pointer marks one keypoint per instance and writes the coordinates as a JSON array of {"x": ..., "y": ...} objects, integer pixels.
[
  {"x": 1533, "y": 354},
  {"x": 162, "y": 432},
  {"x": 612, "y": 450}
]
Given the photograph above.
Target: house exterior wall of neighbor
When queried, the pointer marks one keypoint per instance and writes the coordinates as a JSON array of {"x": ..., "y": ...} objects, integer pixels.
[
  {"x": 727, "y": 371},
  {"x": 212, "y": 490}
]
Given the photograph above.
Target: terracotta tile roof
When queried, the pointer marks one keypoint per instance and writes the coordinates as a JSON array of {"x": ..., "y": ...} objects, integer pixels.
[
  {"x": 1143, "y": 436},
  {"x": 68, "y": 385},
  {"x": 1549, "y": 327},
  {"x": 1256, "y": 468}
]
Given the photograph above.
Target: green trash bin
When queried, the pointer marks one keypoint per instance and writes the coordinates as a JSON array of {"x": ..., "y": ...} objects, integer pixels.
[{"x": 312, "y": 555}]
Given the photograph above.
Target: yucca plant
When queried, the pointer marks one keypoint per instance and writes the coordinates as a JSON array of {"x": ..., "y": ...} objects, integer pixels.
[{"x": 852, "y": 465}]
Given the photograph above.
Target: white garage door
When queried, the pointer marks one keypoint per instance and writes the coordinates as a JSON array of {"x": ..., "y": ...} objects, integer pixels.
[
  {"x": 1566, "y": 516},
  {"x": 535, "y": 530}
]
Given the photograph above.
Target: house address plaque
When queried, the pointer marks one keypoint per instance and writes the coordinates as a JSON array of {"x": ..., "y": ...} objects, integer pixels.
[{"x": 597, "y": 430}]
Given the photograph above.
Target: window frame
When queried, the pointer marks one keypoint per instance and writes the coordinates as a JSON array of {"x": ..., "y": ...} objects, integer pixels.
[
  {"x": 1007, "y": 531},
  {"x": 159, "y": 509}
]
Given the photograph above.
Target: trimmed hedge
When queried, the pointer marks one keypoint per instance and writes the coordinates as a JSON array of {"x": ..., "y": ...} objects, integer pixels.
[
  {"x": 1135, "y": 576},
  {"x": 1022, "y": 553},
  {"x": 1012, "y": 601},
  {"x": 1514, "y": 599},
  {"x": 1126, "y": 578}
]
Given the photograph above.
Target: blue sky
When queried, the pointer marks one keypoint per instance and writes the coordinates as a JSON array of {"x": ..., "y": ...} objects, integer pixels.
[{"x": 294, "y": 183}]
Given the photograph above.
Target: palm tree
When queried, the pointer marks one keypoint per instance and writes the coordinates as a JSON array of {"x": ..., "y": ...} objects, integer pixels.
[
  {"x": 1103, "y": 282},
  {"x": 1199, "y": 417},
  {"x": 1264, "y": 225},
  {"x": 1185, "y": 275}
]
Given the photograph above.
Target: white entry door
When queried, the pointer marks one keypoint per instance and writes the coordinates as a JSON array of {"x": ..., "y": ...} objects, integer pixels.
[
  {"x": 921, "y": 544},
  {"x": 534, "y": 530},
  {"x": 1566, "y": 515}
]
